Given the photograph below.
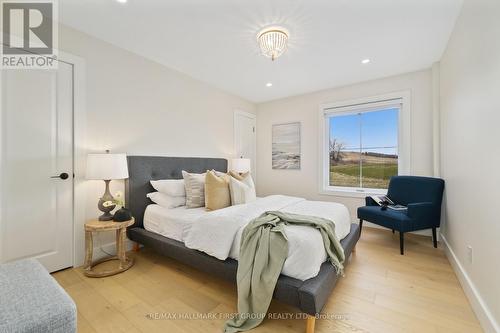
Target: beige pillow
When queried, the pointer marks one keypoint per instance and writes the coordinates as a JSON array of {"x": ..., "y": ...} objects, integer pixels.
[
  {"x": 217, "y": 194},
  {"x": 195, "y": 189},
  {"x": 242, "y": 191}
]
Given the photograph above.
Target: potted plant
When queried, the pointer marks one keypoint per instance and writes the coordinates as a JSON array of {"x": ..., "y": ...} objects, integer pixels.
[{"x": 122, "y": 214}]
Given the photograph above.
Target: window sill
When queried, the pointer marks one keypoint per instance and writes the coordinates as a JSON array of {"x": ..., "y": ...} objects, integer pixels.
[{"x": 351, "y": 193}]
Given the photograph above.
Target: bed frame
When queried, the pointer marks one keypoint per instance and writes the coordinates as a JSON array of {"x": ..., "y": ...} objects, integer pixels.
[{"x": 309, "y": 296}]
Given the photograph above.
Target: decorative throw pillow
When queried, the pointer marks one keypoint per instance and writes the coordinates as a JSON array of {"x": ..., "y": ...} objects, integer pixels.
[
  {"x": 217, "y": 194},
  {"x": 242, "y": 191},
  {"x": 165, "y": 200},
  {"x": 244, "y": 177},
  {"x": 238, "y": 175},
  {"x": 172, "y": 187},
  {"x": 195, "y": 189}
]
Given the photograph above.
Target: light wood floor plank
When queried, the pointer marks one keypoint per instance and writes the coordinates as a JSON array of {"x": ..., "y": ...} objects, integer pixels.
[
  {"x": 83, "y": 325},
  {"x": 381, "y": 292}
]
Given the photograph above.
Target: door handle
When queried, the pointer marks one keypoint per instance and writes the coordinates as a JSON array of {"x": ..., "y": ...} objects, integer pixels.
[{"x": 63, "y": 176}]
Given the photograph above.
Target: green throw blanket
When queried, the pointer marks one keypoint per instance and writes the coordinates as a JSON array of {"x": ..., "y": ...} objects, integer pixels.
[{"x": 263, "y": 251}]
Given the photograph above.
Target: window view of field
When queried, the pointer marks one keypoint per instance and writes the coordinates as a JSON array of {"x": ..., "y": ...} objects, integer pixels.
[
  {"x": 376, "y": 169},
  {"x": 363, "y": 149}
]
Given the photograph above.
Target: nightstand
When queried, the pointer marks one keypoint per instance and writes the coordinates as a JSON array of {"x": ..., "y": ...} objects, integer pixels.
[{"x": 124, "y": 263}]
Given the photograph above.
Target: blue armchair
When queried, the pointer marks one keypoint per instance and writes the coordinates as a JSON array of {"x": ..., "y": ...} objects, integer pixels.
[{"x": 422, "y": 196}]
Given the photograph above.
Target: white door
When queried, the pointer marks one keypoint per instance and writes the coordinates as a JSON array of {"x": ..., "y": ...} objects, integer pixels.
[
  {"x": 36, "y": 148},
  {"x": 245, "y": 137}
]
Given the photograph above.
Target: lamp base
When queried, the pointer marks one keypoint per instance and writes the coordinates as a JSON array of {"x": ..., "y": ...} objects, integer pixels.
[{"x": 107, "y": 216}]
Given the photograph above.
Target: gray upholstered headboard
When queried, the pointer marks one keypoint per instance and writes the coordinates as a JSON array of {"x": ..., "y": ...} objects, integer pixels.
[{"x": 142, "y": 169}]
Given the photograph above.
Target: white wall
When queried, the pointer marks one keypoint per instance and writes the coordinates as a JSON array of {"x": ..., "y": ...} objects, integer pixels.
[
  {"x": 470, "y": 159},
  {"x": 305, "y": 108},
  {"x": 137, "y": 106}
]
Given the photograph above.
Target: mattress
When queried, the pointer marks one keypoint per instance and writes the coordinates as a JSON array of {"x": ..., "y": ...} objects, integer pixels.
[
  {"x": 218, "y": 233},
  {"x": 172, "y": 222}
]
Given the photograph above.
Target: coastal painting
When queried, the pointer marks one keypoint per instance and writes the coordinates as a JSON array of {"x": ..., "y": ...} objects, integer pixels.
[{"x": 286, "y": 146}]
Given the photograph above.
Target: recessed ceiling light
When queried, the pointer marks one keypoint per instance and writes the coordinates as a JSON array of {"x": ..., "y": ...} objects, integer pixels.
[
  {"x": 121, "y": 1},
  {"x": 269, "y": 84},
  {"x": 365, "y": 61}
]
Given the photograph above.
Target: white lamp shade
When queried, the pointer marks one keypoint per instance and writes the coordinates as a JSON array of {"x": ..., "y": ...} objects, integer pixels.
[
  {"x": 240, "y": 165},
  {"x": 107, "y": 166}
]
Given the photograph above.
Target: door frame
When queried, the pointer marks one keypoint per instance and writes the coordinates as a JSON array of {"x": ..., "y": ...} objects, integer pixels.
[
  {"x": 236, "y": 113},
  {"x": 79, "y": 154}
]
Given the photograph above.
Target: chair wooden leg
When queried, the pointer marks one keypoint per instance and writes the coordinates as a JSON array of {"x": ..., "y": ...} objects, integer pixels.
[
  {"x": 434, "y": 238},
  {"x": 401, "y": 243},
  {"x": 393, "y": 231},
  {"x": 311, "y": 322},
  {"x": 360, "y": 226}
]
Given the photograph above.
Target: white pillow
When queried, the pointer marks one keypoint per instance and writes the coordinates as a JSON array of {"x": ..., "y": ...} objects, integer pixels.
[
  {"x": 165, "y": 200},
  {"x": 172, "y": 187},
  {"x": 242, "y": 191}
]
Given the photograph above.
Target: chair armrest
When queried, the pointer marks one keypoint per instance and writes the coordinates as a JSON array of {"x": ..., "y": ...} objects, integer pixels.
[
  {"x": 370, "y": 202},
  {"x": 421, "y": 210}
]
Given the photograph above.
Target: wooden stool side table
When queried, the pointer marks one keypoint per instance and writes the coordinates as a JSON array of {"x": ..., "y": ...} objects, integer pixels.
[{"x": 121, "y": 230}]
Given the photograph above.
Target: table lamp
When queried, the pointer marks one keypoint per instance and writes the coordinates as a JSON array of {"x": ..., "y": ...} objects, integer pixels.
[
  {"x": 106, "y": 167},
  {"x": 240, "y": 165}
]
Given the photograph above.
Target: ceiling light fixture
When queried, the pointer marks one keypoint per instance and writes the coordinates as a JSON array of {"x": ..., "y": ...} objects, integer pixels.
[
  {"x": 121, "y": 1},
  {"x": 273, "y": 41},
  {"x": 269, "y": 84},
  {"x": 365, "y": 61}
]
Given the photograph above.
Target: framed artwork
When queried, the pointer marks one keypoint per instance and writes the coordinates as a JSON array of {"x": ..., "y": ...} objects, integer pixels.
[{"x": 286, "y": 146}]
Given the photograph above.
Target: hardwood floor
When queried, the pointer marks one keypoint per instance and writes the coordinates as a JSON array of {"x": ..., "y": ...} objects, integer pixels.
[{"x": 381, "y": 292}]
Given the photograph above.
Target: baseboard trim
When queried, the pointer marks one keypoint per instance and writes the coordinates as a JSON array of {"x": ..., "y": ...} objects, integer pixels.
[{"x": 483, "y": 313}]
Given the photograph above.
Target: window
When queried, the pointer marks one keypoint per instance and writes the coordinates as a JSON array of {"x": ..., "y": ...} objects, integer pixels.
[{"x": 362, "y": 145}]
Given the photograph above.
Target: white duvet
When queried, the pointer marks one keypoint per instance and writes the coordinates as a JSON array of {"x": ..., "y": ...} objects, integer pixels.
[{"x": 218, "y": 233}]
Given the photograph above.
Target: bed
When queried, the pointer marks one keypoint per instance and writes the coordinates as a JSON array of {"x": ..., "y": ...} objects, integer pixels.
[{"x": 309, "y": 296}]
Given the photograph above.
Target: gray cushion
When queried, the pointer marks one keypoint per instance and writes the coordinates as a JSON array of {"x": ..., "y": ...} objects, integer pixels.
[{"x": 32, "y": 301}]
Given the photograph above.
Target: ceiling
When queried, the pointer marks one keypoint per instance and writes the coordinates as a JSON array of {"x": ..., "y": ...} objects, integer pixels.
[{"x": 215, "y": 40}]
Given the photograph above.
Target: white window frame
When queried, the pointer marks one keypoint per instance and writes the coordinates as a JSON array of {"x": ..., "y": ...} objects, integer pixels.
[{"x": 354, "y": 106}]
